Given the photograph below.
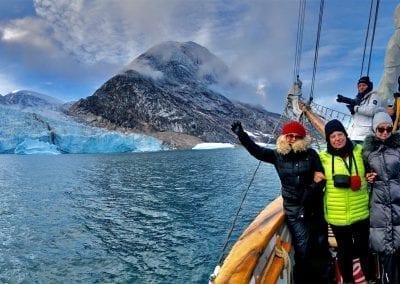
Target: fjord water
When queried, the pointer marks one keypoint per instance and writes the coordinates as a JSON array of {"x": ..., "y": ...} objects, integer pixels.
[{"x": 157, "y": 217}]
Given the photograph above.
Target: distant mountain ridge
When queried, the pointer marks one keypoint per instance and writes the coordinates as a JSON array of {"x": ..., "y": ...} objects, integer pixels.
[
  {"x": 166, "y": 92},
  {"x": 24, "y": 99}
]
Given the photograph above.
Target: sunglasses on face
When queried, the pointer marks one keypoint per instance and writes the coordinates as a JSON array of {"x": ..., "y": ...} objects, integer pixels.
[
  {"x": 294, "y": 136},
  {"x": 382, "y": 129}
]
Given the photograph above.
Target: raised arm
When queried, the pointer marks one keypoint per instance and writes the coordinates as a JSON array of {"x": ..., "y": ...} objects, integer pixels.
[{"x": 261, "y": 153}]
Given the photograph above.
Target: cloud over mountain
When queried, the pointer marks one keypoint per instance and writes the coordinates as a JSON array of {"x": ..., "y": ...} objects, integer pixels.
[{"x": 176, "y": 96}]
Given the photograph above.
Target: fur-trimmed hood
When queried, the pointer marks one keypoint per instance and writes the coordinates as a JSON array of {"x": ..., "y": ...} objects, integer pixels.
[
  {"x": 372, "y": 143},
  {"x": 284, "y": 148}
]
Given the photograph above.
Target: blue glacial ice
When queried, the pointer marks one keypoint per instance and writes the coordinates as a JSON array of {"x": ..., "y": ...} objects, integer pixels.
[
  {"x": 33, "y": 146},
  {"x": 52, "y": 132}
]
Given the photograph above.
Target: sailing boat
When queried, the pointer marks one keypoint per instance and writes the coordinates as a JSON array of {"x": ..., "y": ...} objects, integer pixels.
[{"x": 263, "y": 253}]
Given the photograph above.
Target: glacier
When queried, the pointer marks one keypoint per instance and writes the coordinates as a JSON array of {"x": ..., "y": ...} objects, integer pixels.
[
  {"x": 46, "y": 131},
  {"x": 32, "y": 146}
]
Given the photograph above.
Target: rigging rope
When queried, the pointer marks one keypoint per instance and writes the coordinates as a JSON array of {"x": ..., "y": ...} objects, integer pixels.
[
  {"x": 279, "y": 251},
  {"x": 367, "y": 36},
  {"x": 299, "y": 43},
  {"x": 243, "y": 199},
  {"x": 321, "y": 12},
  {"x": 373, "y": 34},
  {"x": 237, "y": 214},
  {"x": 299, "y": 39}
]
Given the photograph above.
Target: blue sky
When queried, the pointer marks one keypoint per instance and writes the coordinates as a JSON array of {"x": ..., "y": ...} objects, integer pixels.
[{"x": 69, "y": 48}]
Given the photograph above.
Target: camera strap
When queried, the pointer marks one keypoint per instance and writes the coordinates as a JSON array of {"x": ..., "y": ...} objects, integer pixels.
[{"x": 348, "y": 166}]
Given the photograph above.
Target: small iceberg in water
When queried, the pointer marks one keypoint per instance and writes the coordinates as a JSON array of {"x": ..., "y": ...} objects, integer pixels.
[{"x": 207, "y": 146}]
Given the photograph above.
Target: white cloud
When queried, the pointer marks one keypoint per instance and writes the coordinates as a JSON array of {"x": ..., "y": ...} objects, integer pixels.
[
  {"x": 85, "y": 39},
  {"x": 145, "y": 69},
  {"x": 7, "y": 85},
  {"x": 10, "y": 34},
  {"x": 261, "y": 89}
]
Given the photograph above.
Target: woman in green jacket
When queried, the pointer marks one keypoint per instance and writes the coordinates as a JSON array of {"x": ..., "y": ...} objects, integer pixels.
[{"x": 346, "y": 198}]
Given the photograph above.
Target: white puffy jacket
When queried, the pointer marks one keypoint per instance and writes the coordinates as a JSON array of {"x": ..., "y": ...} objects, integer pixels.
[{"x": 361, "y": 125}]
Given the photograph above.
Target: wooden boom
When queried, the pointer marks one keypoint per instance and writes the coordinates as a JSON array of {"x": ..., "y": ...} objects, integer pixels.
[{"x": 314, "y": 119}]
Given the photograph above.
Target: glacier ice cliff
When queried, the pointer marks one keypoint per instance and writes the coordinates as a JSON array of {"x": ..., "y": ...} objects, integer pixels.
[{"x": 52, "y": 132}]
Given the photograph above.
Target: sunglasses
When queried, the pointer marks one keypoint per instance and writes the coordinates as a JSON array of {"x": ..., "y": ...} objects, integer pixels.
[
  {"x": 294, "y": 136},
  {"x": 382, "y": 129}
]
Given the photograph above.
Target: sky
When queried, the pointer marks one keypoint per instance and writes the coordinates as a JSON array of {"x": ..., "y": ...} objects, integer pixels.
[{"x": 68, "y": 48}]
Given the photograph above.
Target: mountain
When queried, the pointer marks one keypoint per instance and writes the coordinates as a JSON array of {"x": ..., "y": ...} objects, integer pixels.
[
  {"x": 180, "y": 63},
  {"x": 169, "y": 92},
  {"x": 27, "y": 99}
]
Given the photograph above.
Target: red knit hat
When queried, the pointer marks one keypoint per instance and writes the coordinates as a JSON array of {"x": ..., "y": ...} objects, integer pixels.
[{"x": 294, "y": 127}]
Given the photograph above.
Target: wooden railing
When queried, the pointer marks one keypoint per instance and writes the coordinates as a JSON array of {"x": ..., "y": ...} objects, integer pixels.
[{"x": 245, "y": 256}]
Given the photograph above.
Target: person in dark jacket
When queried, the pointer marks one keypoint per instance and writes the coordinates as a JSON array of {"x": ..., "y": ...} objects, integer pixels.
[
  {"x": 301, "y": 175},
  {"x": 382, "y": 158}
]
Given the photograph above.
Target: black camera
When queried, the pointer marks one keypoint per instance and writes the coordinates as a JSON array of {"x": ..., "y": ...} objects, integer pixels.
[
  {"x": 341, "y": 181},
  {"x": 346, "y": 100}
]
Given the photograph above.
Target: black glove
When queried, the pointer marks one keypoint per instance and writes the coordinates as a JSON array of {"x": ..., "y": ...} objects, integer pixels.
[
  {"x": 351, "y": 108},
  {"x": 339, "y": 98},
  {"x": 311, "y": 200},
  {"x": 237, "y": 128}
]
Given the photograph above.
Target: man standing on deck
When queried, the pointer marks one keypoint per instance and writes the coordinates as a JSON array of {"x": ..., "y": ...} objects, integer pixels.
[{"x": 363, "y": 108}]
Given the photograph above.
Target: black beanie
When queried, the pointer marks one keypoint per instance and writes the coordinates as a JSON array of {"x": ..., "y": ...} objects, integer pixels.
[
  {"x": 332, "y": 126},
  {"x": 366, "y": 80}
]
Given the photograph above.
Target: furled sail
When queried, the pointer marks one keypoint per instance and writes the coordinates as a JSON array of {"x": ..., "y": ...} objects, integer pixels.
[{"x": 388, "y": 83}]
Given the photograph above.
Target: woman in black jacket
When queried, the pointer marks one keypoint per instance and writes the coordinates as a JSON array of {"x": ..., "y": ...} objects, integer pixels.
[
  {"x": 301, "y": 175},
  {"x": 382, "y": 158}
]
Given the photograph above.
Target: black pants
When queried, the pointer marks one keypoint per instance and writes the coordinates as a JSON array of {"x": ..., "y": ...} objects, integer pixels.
[
  {"x": 352, "y": 242},
  {"x": 312, "y": 257},
  {"x": 390, "y": 265}
]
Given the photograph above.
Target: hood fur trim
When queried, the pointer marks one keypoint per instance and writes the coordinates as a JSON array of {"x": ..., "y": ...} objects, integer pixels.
[
  {"x": 372, "y": 143},
  {"x": 284, "y": 148}
]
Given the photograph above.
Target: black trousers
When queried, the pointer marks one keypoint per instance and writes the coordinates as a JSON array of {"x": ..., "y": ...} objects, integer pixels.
[
  {"x": 390, "y": 266},
  {"x": 352, "y": 242},
  {"x": 311, "y": 250}
]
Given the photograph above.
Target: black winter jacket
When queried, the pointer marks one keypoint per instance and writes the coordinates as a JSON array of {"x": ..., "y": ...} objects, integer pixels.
[{"x": 296, "y": 166}]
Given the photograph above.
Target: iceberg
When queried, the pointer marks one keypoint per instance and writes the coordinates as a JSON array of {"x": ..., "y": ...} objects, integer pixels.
[{"x": 208, "y": 146}]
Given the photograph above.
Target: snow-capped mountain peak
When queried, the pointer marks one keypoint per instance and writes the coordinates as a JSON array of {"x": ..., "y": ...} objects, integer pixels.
[
  {"x": 176, "y": 94},
  {"x": 181, "y": 62}
]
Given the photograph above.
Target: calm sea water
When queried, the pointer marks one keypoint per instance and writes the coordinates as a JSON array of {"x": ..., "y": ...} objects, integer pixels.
[{"x": 132, "y": 218}]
